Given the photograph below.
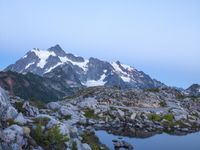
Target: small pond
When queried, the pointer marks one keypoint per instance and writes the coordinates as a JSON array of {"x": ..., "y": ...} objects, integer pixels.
[{"x": 156, "y": 142}]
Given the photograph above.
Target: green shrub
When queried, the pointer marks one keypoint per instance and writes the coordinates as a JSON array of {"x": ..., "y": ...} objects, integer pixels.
[
  {"x": 168, "y": 117},
  {"x": 90, "y": 114},
  {"x": 154, "y": 117},
  {"x": 55, "y": 138},
  {"x": 67, "y": 117},
  {"x": 51, "y": 139},
  {"x": 38, "y": 134}
]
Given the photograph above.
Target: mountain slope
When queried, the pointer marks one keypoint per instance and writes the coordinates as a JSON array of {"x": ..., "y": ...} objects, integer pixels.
[
  {"x": 78, "y": 71},
  {"x": 33, "y": 86},
  {"x": 193, "y": 90}
]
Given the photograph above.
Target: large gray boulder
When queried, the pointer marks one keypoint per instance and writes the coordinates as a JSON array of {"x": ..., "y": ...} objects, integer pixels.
[
  {"x": 13, "y": 138},
  {"x": 7, "y": 111},
  {"x": 54, "y": 105}
]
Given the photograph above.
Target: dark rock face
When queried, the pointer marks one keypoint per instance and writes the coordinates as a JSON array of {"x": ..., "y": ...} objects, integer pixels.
[
  {"x": 93, "y": 72},
  {"x": 193, "y": 90},
  {"x": 65, "y": 74},
  {"x": 96, "y": 68},
  {"x": 57, "y": 50}
]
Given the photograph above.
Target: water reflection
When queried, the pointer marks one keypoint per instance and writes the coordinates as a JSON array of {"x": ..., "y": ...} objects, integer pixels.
[{"x": 156, "y": 142}]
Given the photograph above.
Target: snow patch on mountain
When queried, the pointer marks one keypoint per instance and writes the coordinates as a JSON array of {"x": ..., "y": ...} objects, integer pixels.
[
  {"x": 129, "y": 68},
  {"x": 51, "y": 68},
  {"x": 82, "y": 65},
  {"x": 125, "y": 79},
  {"x": 92, "y": 83},
  {"x": 24, "y": 56},
  {"x": 105, "y": 71},
  {"x": 118, "y": 69},
  {"x": 43, "y": 56},
  {"x": 29, "y": 65}
]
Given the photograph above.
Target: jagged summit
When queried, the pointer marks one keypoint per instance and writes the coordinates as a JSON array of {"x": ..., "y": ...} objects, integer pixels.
[
  {"x": 57, "y": 50},
  {"x": 88, "y": 72}
]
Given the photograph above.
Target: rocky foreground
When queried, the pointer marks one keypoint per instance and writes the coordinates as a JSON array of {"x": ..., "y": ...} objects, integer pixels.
[{"x": 71, "y": 123}]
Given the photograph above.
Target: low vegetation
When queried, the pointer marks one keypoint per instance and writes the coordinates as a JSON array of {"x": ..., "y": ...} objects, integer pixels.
[
  {"x": 42, "y": 121},
  {"x": 168, "y": 117},
  {"x": 50, "y": 139},
  {"x": 90, "y": 114},
  {"x": 37, "y": 103},
  {"x": 154, "y": 117},
  {"x": 67, "y": 117},
  {"x": 93, "y": 141},
  {"x": 19, "y": 107},
  {"x": 155, "y": 90}
]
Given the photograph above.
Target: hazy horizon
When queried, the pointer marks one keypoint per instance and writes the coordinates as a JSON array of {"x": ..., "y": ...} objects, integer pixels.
[{"x": 159, "y": 38}]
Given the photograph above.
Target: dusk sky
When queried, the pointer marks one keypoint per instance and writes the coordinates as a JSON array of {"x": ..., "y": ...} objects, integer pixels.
[{"x": 159, "y": 37}]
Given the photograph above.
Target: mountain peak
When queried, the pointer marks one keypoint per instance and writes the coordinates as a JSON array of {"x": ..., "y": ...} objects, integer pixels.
[
  {"x": 118, "y": 62},
  {"x": 57, "y": 50}
]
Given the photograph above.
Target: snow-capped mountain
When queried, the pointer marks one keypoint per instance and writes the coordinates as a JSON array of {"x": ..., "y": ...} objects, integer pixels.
[{"x": 77, "y": 71}]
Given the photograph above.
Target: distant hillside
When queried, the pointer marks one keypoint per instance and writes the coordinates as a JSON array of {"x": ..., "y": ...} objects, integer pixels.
[
  {"x": 31, "y": 86},
  {"x": 193, "y": 90}
]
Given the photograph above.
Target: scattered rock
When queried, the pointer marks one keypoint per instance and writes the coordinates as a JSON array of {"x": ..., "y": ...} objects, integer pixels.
[
  {"x": 54, "y": 106},
  {"x": 20, "y": 119},
  {"x": 133, "y": 116},
  {"x": 30, "y": 110}
]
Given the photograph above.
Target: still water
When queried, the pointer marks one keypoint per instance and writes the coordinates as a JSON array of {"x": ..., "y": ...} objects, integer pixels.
[{"x": 157, "y": 142}]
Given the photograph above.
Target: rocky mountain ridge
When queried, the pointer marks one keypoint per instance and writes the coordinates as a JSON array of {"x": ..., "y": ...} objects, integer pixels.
[{"x": 55, "y": 62}]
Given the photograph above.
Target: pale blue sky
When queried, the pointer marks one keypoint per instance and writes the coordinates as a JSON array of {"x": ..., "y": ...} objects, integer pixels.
[{"x": 159, "y": 37}]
